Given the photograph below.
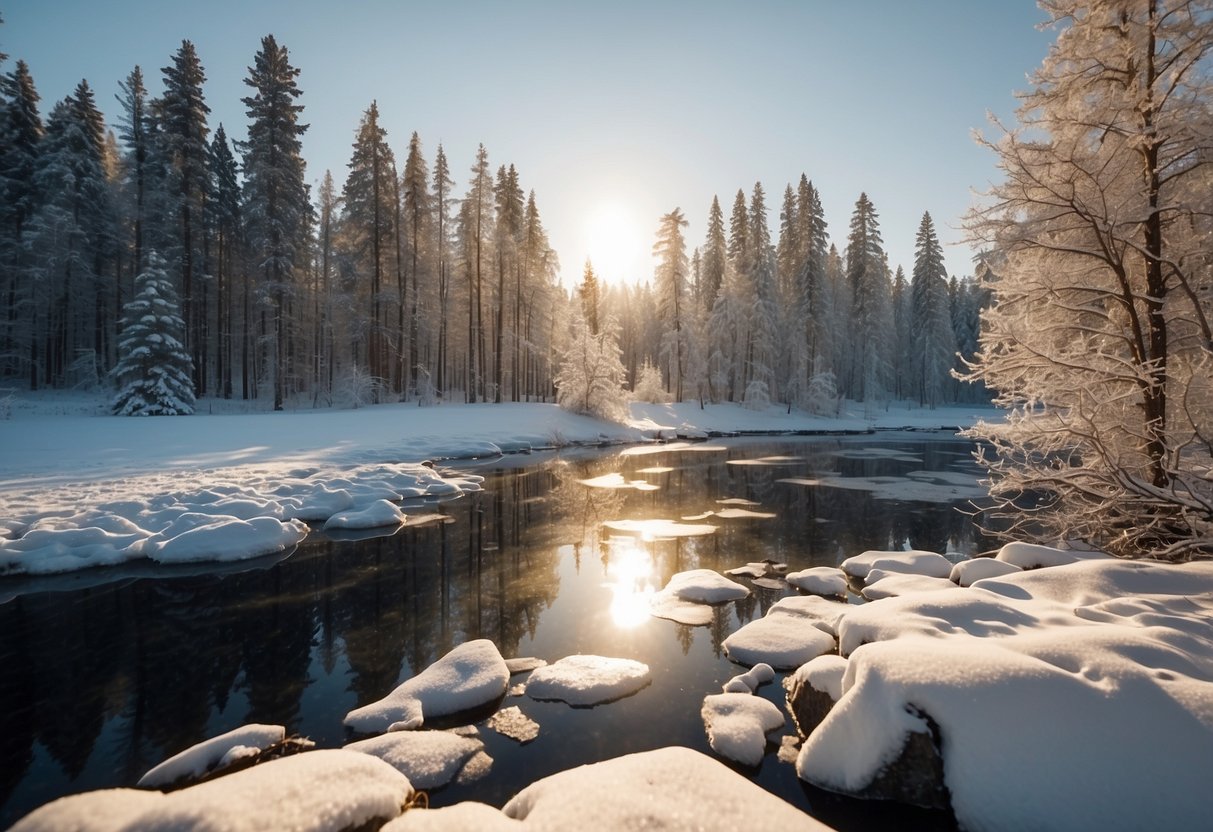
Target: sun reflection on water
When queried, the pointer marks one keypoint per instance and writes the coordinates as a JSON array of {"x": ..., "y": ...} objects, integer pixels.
[{"x": 630, "y": 568}]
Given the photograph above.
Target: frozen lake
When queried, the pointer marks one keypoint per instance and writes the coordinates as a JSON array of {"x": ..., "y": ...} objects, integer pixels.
[{"x": 106, "y": 673}]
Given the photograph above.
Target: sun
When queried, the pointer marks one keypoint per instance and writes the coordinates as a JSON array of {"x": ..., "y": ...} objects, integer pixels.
[{"x": 615, "y": 244}]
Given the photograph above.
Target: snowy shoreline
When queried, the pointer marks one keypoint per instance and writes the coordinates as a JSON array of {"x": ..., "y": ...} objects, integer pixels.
[{"x": 79, "y": 490}]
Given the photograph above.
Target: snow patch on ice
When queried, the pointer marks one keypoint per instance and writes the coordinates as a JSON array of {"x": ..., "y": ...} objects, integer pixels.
[
  {"x": 429, "y": 759},
  {"x": 819, "y": 580},
  {"x": 584, "y": 680},
  {"x": 738, "y": 724}
]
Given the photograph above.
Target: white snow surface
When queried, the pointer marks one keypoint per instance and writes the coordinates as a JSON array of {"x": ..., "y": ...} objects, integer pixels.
[
  {"x": 667, "y": 789},
  {"x": 469, "y": 676},
  {"x": 376, "y": 515},
  {"x": 819, "y": 580},
  {"x": 1035, "y": 556},
  {"x": 749, "y": 681},
  {"x": 738, "y": 724},
  {"x": 688, "y": 596},
  {"x": 1103, "y": 668},
  {"x": 824, "y": 673},
  {"x": 201, "y": 758},
  {"x": 318, "y": 791},
  {"x": 881, "y": 584},
  {"x": 429, "y": 759},
  {"x": 584, "y": 680}
]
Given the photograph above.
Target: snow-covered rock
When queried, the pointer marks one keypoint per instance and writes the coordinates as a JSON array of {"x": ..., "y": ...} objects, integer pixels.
[
  {"x": 785, "y": 637},
  {"x": 1035, "y": 556},
  {"x": 377, "y": 515},
  {"x": 749, "y": 681},
  {"x": 881, "y": 584},
  {"x": 969, "y": 572},
  {"x": 666, "y": 789},
  {"x": 819, "y": 580},
  {"x": 429, "y": 759},
  {"x": 927, "y": 564},
  {"x": 320, "y": 791},
  {"x": 859, "y": 565},
  {"x": 588, "y": 680},
  {"x": 1103, "y": 668},
  {"x": 688, "y": 596},
  {"x": 206, "y": 756},
  {"x": 470, "y": 676},
  {"x": 813, "y": 689},
  {"x": 738, "y": 724}
]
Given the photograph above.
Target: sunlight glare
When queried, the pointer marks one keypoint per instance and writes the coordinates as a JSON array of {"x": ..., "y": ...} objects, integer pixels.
[
  {"x": 630, "y": 569},
  {"x": 616, "y": 245}
]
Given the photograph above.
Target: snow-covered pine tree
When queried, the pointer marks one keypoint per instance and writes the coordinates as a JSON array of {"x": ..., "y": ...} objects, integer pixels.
[
  {"x": 153, "y": 373},
  {"x": 871, "y": 318},
  {"x": 224, "y": 224},
  {"x": 715, "y": 256},
  {"x": 764, "y": 316},
  {"x": 414, "y": 228},
  {"x": 507, "y": 242},
  {"x": 442, "y": 199},
  {"x": 899, "y": 358},
  {"x": 276, "y": 198},
  {"x": 591, "y": 378},
  {"x": 670, "y": 250},
  {"x": 932, "y": 340}
]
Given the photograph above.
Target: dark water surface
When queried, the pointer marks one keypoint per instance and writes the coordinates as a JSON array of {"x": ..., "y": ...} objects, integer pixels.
[{"x": 105, "y": 674}]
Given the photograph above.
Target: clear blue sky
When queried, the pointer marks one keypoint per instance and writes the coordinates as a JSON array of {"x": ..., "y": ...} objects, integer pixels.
[{"x": 643, "y": 106}]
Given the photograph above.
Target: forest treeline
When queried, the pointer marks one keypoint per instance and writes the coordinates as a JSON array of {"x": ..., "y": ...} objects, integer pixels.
[{"x": 408, "y": 281}]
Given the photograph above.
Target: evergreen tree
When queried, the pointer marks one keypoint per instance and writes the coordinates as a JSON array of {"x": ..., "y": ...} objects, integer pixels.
[
  {"x": 224, "y": 224},
  {"x": 932, "y": 339},
  {"x": 416, "y": 214},
  {"x": 811, "y": 281},
  {"x": 480, "y": 224},
  {"x": 183, "y": 134},
  {"x": 764, "y": 314},
  {"x": 591, "y": 379},
  {"x": 715, "y": 255},
  {"x": 153, "y": 372},
  {"x": 871, "y": 318},
  {"x": 900, "y": 358},
  {"x": 20, "y": 134},
  {"x": 507, "y": 241},
  {"x": 671, "y": 277},
  {"x": 442, "y": 199},
  {"x": 277, "y": 206},
  {"x": 590, "y": 295}
]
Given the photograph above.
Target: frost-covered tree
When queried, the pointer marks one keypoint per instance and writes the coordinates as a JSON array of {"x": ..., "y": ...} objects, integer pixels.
[
  {"x": 591, "y": 377},
  {"x": 649, "y": 386},
  {"x": 590, "y": 295},
  {"x": 871, "y": 318},
  {"x": 670, "y": 250},
  {"x": 1099, "y": 342},
  {"x": 414, "y": 228},
  {"x": 153, "y": 373},
  {"x": 932, "y": 341},
  {"x": 715, "y": 256},
  {"x": 276, "y": 199},
  {"x": 764, "y": 316}
]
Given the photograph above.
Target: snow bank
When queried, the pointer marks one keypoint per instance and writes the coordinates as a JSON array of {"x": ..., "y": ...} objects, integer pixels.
[
  {"x": 377, "y": 515},
  {"x": 914, "y": 561},
  {"x": 819, "y": 580},
  {"x": 1034, "y": 556},
  {"x": 470, "y": 676},
  {"x": 738, "y": 724},
  {"x": 429, "y": 759},
  {"x": 320, "y": 791},
  {"x": 881, "y": 584},
  {"x": 582, "y": 680},
  {"x": 197, "y": 760},
  {"x": 1103, "y": 668}
]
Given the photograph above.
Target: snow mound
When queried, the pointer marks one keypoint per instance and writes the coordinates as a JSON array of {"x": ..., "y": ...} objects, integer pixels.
[
  {"x": 819, "y": 580},
  {"x": 226, "y": 539},
  {"x": 859, "y": 565},
  {"x": 470, "y": 676},
  {"x": 1121, "y": 652},
  {"x": 927, "y": 564},
  {"x": 197, "y": 760},
  {"x": 784, "y": 638},
  {"x": 749, "y": 681},
  {"x": 969, "y": 572},
  {"x": 750, "y": 570},
  {"x": 823, "y": 674},
  {"x": 320, "y": 791},
  {"x": 583, "y": 680},
  {"x": 374, "y": 516},
  {"x": 1034, "y": 556},
  {"x": 688, "y": 596},
  {"x": 738, "y": 724},
  {"x": 429, "y": 759}
]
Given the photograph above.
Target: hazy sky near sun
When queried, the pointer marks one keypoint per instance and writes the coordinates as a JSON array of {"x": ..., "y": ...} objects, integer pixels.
[{"x": 614, "y": 113}]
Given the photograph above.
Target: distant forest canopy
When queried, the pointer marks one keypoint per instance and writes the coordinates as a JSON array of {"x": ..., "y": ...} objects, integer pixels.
[{"x": 404, "y": 284}]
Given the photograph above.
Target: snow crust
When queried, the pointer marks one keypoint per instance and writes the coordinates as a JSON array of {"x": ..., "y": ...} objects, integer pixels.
[
  {"x": 199, "y": 759},
  {"x": 819, "y": 580},
  {"x": 319, "y": 791},
  {"x": 429, "y": 759},
  {"x": 1103, "y": 668},
  {"x": 470, "y": 676},
  {"x": 584, "y": 680},
  {"x": 738, "y": 724}
]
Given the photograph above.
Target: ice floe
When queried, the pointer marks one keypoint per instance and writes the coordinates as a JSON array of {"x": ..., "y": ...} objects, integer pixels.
[
  {"x": 784, "y": 638},
  {"x": 688, "y": 596},
  {"x": 513, "y": 723},
  {"x": 429, "y": 759},
  {"x": 617, "y": 481},
  {"x": 657, "y": 529},
  {"x": 320, "y": 791},
  {"x": 470, "y": 676},
  {"x": 583, "y": 680}
]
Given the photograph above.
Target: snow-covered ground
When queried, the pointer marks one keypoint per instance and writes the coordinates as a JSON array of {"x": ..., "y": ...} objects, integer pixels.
[{"x": 79, "y": 488}]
